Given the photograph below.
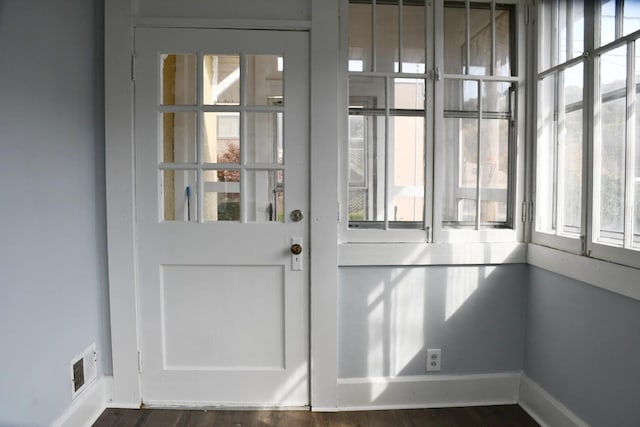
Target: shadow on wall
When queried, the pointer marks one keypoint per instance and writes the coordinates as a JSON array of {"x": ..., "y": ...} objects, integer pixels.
[{"x": 390, "y": 316}]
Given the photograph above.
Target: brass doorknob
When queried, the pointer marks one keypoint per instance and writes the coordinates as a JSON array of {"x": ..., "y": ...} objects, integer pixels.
[
  {"x": 296, "y": 249},
  {"x": 296, "y": 215}
]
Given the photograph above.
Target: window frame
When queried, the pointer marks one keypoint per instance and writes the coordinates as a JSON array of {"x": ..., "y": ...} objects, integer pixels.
[
  {"x": 588, "y": 245},
  {"x": 435, "y": 231}
]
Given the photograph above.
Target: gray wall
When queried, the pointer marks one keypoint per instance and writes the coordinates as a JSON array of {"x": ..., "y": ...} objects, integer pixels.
[
  {"x": 583, "y": 347},
  {"x": 53, "y": 277},
  {"x": 389, "y": 316}
]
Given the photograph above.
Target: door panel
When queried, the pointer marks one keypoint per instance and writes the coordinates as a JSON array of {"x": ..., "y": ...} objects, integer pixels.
[{"x": 221, "y": 159}]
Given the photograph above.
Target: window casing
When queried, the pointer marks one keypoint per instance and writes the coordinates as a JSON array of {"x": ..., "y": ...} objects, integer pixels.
[
  {"x": 595, "y": 213},
  {"x": 418, "y": 122}
]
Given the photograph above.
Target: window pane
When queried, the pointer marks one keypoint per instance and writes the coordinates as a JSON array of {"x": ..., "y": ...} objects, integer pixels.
[
  {"x": 264, "y": 80},
  {"x": 503, "y": 43},
  {"x": 386, "y": 43},
  {"x": 496, "y": 97},
  {"x": 636, "y": 163},
  {"x": 408, "y": 94},
  {"x": 265, "y": 195},
  {"x": 222, "y": 195},
  {"x": 413, "y": 34},
  {"x": 360, "y": 46},
  {"x": 577, "y": 22},
  {"x": 607, "y": 21},
  {"x": 264, "y": 138},
  {"x": 545, "y": 32},
  {"x": 480, "y": 42},
  {"x": 406, "y": 190},
  {"x": 367, "y": 92},
  {"x": 461, "y": 170},
  {"x": 572, "y": 151},
  {"x": 221, "y": 79},
  {"x": 563, "y": 28},
  {"x": 221, "y": 138},
  {"x": 179, "y": 137},
  {"x": 180, "y": 195},
  {"x": 631, "y": 16},
  {"x": 366, "y": 168},
  {"x": 460, "y": 95},
  {"x": 454, "y": 40},
  {"x": 546, "y": 156},
  {"x": 612, "y": 145},
  {"x": 494, "y": 170},
  {"x": 178, "y": 79}
]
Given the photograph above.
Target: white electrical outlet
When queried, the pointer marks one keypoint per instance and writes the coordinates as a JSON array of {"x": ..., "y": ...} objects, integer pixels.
[{"x": 434, "y": 356}]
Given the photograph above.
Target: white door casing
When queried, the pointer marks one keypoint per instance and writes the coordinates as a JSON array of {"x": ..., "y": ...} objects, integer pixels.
[{"x": 223, "y": 313}]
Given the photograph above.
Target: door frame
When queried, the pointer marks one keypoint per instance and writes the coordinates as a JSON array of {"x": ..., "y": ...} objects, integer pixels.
[{"x": 325, "y": 83}]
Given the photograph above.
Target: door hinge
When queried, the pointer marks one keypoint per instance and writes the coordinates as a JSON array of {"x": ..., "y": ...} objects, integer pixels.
[
  {"x": 428, "y": 231},
  {"x": 435, "y": 73},
  {"x": 139, "y": 362},
  {"x": 133, "y": 67}
]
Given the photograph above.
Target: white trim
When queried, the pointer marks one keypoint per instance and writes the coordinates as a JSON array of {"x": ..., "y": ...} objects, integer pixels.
[
  {"x": 120, "y": 199},
  {"x": 545, "y": 409},
  {"x": 86, "y": 409},
  {"x": 236, "y": 406},
  {"x": 438, "y": 391},
  {"x": 602, "y": 274},
  {"x": 360, "y": 254},
  {"x": 222, "y": 24}
]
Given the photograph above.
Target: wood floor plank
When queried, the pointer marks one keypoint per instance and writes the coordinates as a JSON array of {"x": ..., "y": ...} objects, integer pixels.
[{"x": 484, "y": 416}]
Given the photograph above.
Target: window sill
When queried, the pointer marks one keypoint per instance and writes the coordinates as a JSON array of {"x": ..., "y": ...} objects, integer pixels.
[
  {"x": 414, "y": 254},
  {"x": 616, "y": 278}
]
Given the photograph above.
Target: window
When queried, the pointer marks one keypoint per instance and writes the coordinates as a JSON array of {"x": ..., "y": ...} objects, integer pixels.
[
  {"x": 598, "y": 216},
  {"x": 430, "y": 145},
  {"x": 386, "y": 128}
]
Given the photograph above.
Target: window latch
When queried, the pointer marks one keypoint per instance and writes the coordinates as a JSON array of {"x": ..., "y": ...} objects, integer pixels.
[{"x": 435, "y": 73}]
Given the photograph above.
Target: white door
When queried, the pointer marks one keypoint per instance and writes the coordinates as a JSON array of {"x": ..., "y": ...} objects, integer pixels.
[{"x": 221, "y": 131}]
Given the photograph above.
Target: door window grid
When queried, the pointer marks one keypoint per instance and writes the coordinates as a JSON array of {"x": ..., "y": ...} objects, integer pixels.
[{"x": 220, "y": 182}]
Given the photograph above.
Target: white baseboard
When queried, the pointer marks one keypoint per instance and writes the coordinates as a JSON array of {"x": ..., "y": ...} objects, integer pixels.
[
  {"x": 544, "y": 408},
  {"x": 434, "y": 391},
  {"x": 87, "y": 407}
]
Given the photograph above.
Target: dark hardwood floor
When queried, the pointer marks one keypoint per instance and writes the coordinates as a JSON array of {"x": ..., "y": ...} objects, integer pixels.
[{"x": 485, "y": 416}]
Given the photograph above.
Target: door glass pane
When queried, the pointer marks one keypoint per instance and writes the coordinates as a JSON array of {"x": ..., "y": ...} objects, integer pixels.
[
  {"x": 612, "y": 141},
  {"x": 178, "y": 79},
  {"x": 265, "y": 195},
  {"x": 413, "y": 34},
  {"x": 496, "y": 97},
  {"x": 577, "y": 22},
  {"x": 386, "y": 43},
  {"x": 180, "y": 195},
  {"x": 222, "y": 195},
  {"x": 264, "y": 80},
  {"x": 636, "y": 162},
  {"x": 461, "y": 169},
  {"x": 221, "y": 79},
  {"x": 264, "y": 142},
  {"x": 179, "y": 137},
  {"x": 360, "y": 46},
  {"x": 406, "y": 190},
  {"x": 221, "y": 138}
]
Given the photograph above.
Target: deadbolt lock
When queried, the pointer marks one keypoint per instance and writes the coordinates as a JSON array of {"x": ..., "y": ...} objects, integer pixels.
[{"x": 296, "y": 215}]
